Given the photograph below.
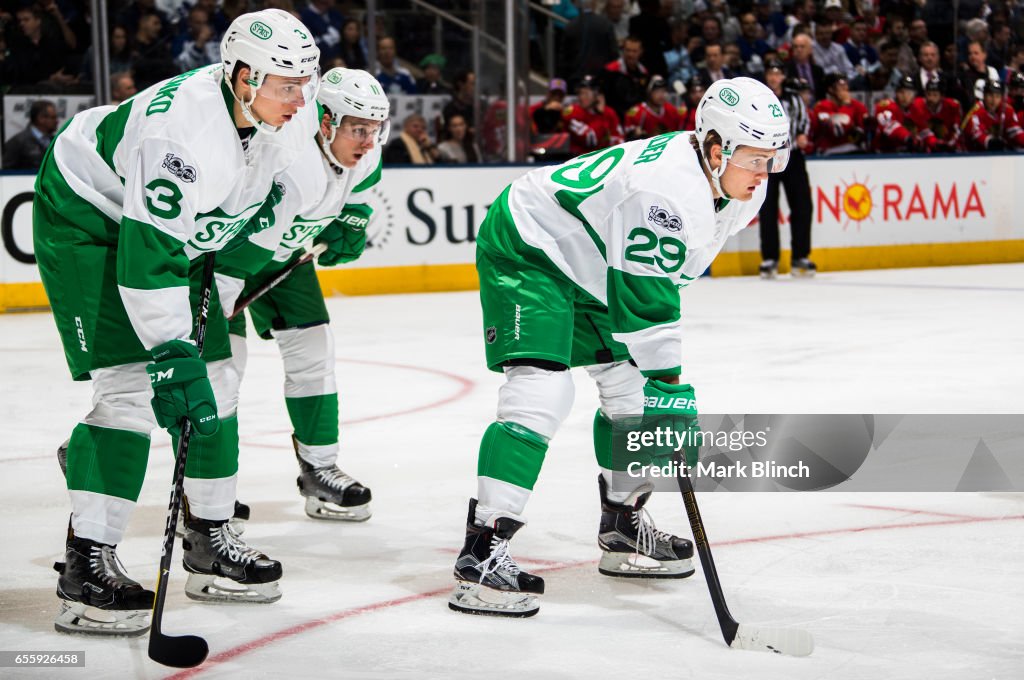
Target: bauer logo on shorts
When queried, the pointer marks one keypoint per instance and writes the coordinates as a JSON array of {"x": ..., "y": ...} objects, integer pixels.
[
  {"x": 491, "y": 334},
  {"x": 260, "y": 30},
  {"x": 665, "y": 219},
  {"x": 729, "y": 96},
  {"x": 178, "y": 168}
]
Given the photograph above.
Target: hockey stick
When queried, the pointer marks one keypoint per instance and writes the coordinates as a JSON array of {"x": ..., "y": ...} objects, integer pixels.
[
  {"x": 264, "y": 287},
  {"x": 789, "y": 641},
  {"x": 179, "y": 651}
]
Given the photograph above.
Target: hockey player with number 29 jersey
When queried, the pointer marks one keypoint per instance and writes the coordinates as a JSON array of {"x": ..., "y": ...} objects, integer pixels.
[
  {"x": 580, "y": 265},
  {"x": 127, "y": 199}
]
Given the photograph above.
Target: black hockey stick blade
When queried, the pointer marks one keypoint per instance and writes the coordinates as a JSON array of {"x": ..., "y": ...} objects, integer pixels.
[
  {"x": 181, "y": 651},
  {"x": 788, "y": 641}
]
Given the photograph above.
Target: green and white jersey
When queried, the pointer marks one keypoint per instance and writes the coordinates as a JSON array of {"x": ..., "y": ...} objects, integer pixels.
[
  {"x": 168, "y": 166},
  {"x": 630, "y": 225}
]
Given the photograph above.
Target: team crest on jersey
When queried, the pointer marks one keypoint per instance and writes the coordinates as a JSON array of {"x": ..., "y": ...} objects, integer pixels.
[
  {"x": 178, "y": 168},
  {"x": 663, "y": 218}
]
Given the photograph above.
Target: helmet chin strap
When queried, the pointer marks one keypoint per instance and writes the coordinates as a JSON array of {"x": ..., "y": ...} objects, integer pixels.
[
  {"x": 250, "y": 115},
  {"x": 716, "y": 178},
  {"x": 325, "y": 146}
]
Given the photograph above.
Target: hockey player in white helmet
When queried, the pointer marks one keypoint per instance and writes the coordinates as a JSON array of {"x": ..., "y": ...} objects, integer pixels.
[
  {"x": 127, "y": 199},
  {"x": 580, "y": 265},
  {"x": 323, "y": 201}
]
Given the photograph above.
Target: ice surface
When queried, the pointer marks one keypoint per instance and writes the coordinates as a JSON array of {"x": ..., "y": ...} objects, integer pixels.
[{"x": 892, "y": 586}]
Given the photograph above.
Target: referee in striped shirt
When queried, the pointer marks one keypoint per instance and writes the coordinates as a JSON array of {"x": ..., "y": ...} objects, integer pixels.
[{"x": 794, "y": 180}]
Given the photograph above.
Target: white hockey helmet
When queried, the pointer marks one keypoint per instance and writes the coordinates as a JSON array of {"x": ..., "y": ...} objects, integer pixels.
[
  {"x": 744, "y": 112},
  {"x": 270, "y": 42},
  {"x": 352, "y": 92}
]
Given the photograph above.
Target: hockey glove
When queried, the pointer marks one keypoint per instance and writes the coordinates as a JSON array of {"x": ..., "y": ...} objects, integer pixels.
[
  {"x": 345, "y": 237},
  {"x": 673, "y": 407},
  {"x": 182, "y": 389}
]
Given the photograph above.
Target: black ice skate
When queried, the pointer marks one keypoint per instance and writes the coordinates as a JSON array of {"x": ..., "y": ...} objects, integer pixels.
[
  {"x": 632, "y": 547},
  {"x": 222, "y": 568},
  {"x": 769, "y": 269},
  {"x": 488, "y": 580},
  {"x": 330, "y": 493},
  {"x": 803, "y": 267},
  {"x": 97, "y": 598},
  {"x": 237, "y": 521}
]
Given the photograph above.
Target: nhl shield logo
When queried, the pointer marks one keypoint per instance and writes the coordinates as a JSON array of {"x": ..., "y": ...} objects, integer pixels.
[{"x": 491, "y": 334}]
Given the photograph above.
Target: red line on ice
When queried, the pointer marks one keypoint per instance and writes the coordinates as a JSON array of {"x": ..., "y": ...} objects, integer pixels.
[{"x": 258, "y": 643}]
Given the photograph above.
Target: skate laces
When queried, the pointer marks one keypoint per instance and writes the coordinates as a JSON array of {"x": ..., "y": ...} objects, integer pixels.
[
  {"x": 225, "y": 540},
  {"x": 333, "y": 477},
  {"x": 500, "y": 559},
  {"x": 647, "y": 535},
  {"x": 105, "y": 563}
]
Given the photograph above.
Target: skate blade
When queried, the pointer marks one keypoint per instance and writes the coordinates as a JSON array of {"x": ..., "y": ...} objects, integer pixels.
[
  {"x": 220, "y": 589},
  {"x": 318, "y": 509},
  {"x": 633, "y": 565},
  {"x": 769, "y": 276},
  {"x": 474, "y": 598},
  {"x": 81, "y": 619},
  {"x": 803, "y": 273}
]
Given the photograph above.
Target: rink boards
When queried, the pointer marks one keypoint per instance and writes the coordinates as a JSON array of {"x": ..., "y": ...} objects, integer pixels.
[{"x": 869, "y": 213}]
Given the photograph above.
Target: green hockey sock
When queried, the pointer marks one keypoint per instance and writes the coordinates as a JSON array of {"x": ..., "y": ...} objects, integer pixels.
[
  {"x": 512, "y": 453},
  {"x": 213, "y": 457},
  {"x": 315, "y": 419},
  {"x": 107, "y": 461}
]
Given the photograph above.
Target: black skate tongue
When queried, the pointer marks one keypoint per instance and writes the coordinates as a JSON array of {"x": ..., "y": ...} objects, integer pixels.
[{"x": 182, "y": 651}]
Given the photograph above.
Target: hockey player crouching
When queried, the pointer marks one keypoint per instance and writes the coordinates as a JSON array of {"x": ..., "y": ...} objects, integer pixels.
[
  {"x": 580, "y": 265},
  {"x": 127, "y": 198},
  {"x": 322, "y": 202}
]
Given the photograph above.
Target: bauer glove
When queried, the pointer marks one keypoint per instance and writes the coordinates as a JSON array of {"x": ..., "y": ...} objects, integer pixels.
[
  {"x": 182, "y": 389},
  {"x": 674, "y": 407},
  {"x": 345, "y": 237}
]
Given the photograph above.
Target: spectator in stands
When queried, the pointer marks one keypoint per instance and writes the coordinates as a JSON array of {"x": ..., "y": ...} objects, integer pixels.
[
  {"x": 625, "y": 79},
  {"x": 944, "y": 117},
  {"x": 152, "y": 53},
  {"x": 677, "y": 59},
  {"x": 729, "y": 25},
  {"x": 352, "y": 51},
  {"x": 1016, "y": 94},
  {"x": 793, "y": 179},
  {"x": 431, "y": 83},
  {"x": 838, "y": 122},
  {"x": 897, "y": 33},
  {"x": 752, "y": 47},
  {"x": 121, "y": 57},
  {"x": 25, "y": 150},
  {"x": 324, "y": 20},
  {"x": 36, "y": 54},
  {"x": 887, "y": 76},
  {"x": 875, "y": 23},
  {"x": 615, "y": 12},
  {"x": 999, "y": 49},
  {"x": 833, "y": 12},
  {"x": 899, "y": 124},
  {"x": 710, "y": 32},
  {"x": 773, "y": 23},
  {"x": 654, "y": 34},
  {"x": 928, "y": 61},
  {"x": 976, "y": 72},
  {"x": 122, "y": 86},
  {"x": 200, "y": 46},
  {"x": 831, "y": 56},
  {"x": 694, "y": 93},
  {"x": 133, "y": 13},
  {"x": 394, "y": 78},
  {"x": 802, "y": 65},
  {"x": 591, "y": 123},
  {"x": 991, "y": 125},
  {"x": 413, "y": 144},
  {"x": 715, "y": 68},
  {"x": 918, "y": 35},
  {"x": 588, "y": 43},
  {"x": 461, "y": 103},
  {"x": 860, "y": 52},
  {"x": 459, "y": 146},
  {"x": 546, "y": 116}
]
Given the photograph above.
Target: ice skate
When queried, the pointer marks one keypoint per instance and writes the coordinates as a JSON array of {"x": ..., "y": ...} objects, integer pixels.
[
  {"x": 330, "y": 493},
  {"x": 488, "y": 580},
  {"x": 222, "y": 568},
  {"x": 631, "y": 546},
  {"x": 803, "y": 268},
  {"x": 97, "y": 597},
  {"x": 237, "y": 521},
  {"x": 769, "y": 269}
]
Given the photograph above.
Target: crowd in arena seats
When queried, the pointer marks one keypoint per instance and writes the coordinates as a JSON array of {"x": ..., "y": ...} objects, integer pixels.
[{"x": 876, "y": 76}]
